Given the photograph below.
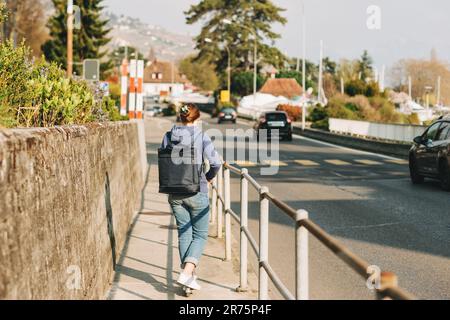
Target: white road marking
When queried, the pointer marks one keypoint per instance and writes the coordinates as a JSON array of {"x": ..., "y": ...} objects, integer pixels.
[
  {"x": 366, "y": 226},
  {"x": 345, "y": 148},
  {"x": 338, "y": 162},
  {"x": 368, "y": 162},
  {"x": 307, "y": 163},
  {"x": 397, "y": 161},
  {"x": 275, "y": 163},
  {"x": 245, "y": 163}
]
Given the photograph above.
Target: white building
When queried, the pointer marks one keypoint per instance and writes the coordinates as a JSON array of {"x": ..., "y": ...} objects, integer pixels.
[{"x": 163, "y": 79}]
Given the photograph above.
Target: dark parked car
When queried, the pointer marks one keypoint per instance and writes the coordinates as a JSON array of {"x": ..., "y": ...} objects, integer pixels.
[
  {"x": 276, "y": 120},
  {"x": 227, "y": 114},
  {"x": 430, "y": 155}
]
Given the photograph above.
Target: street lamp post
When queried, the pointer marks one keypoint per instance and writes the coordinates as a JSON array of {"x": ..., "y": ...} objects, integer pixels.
[
  {"x": 428, "y": 89},
  {"x": 255, "y": 58},
  {"x": 69, "y": 38},
  {"x": 208, "y": 40},
  {"x": 304, "y": 67}
]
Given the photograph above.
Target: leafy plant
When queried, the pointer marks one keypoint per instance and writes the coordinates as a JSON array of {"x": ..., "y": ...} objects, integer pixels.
[{"x": 37, "y": 94}]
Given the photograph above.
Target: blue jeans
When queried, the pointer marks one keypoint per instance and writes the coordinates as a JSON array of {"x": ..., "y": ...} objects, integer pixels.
[{"x": 192, "y": 216}]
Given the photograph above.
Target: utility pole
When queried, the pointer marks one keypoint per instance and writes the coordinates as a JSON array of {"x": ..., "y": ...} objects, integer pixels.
[
  {"x": 319, "y": 94},
  {"x": 229, "y": 69},
  {"x": 410, "y": 87},
  {"x": 69, "y": 38},
  {"x": 438, "y": 102},
  {"x": 255, "y": 76},
  {"x": 383, "y": 72},
  {"x": 342, "y": 86},
  {"x": 255, "y": 57},
  {"x": 304, "y": 66}
]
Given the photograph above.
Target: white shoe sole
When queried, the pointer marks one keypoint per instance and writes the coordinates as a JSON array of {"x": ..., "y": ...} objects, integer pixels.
[{"x": 192, "y": 284}]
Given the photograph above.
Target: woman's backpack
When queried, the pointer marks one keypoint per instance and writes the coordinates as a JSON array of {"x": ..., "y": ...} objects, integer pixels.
[{"x": 179, "y": 169}]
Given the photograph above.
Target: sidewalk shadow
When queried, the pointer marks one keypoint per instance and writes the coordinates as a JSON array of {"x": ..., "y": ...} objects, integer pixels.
[
  {"x": 109, "y": 218},
  {"x": 167, "y": 286}
]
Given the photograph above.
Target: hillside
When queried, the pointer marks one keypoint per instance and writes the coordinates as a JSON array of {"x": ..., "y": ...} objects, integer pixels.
[{"x": 133, "y": 32}]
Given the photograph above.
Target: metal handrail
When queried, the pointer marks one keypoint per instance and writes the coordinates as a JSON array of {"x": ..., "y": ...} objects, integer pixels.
[
  {"x": 277, "y": 282},
  {"x": 221, "y": 205}
]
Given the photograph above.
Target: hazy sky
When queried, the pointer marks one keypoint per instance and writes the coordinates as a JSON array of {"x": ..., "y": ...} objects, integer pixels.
[{"x": 409, "y": 28}]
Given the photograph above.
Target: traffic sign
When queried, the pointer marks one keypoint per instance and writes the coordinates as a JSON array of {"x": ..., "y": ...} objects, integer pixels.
[
  {"x": 91, "y": 69},
  {"x": 225, "y": 96}
]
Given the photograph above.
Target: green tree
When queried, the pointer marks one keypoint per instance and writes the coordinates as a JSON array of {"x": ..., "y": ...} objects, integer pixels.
[
  {"x": 89, "y": 41},
  {"x": 365, "y": 65},
  {"x": 329, "y": 66},
  {"x": 242, "y": 83},
  {"x": 246, "y": 15},
  {"x": 201, "y": 73}
]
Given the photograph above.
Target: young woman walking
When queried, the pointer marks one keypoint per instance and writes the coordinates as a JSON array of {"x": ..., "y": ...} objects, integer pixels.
[{"x": 191, "y": 209}]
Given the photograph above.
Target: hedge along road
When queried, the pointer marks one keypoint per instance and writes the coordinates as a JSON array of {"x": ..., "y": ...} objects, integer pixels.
[{"x": 365, "y": 201}]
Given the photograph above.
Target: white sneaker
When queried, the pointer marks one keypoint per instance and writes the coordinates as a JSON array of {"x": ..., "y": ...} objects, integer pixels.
[{"x": 189, "y": 281}]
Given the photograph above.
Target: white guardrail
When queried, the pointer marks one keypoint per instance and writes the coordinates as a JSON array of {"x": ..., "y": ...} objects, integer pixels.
[
  {"x": 384, "y": 131},
  {"x": 222, "y": 213}
]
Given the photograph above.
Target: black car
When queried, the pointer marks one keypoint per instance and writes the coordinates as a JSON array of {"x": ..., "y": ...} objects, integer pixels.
[
  {"x": 227, "y": 114},
  {"x": 276, "y": 120},
  {"x": 429, "y": 157}
]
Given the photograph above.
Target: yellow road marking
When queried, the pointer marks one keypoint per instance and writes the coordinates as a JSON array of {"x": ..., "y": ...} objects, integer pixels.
[
  {"x": 307, "y": 163},
  {"x": 397, "y": 161},
  {"x": 338, "y": 162},
  {"x": 275, "y": 163},
  {"x": 369, "y": 162}
]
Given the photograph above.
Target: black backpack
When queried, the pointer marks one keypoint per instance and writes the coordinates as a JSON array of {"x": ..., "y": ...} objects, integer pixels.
[{"x": 174, "y": 178}]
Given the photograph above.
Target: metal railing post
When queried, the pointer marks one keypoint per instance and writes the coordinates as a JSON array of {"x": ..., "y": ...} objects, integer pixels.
[
  {"x": 301, "y": 258},
  {"x": 243, "y": 237},
  {"x": 214, "y": 201},
  {"x": 227, "y": 200},
  {"x": 263, "y": 290},
  {"x": 387, "y": 279},
  {"x": 219, "y": 204}
]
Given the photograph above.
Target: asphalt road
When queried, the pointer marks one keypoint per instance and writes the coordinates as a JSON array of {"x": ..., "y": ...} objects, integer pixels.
[{"x": 365, "y": 201}]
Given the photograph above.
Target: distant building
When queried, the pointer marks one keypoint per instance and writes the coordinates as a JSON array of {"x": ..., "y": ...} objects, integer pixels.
[
  {"x": 269, "y": 71},
  {"x": 288, "y": 88},
  {"x": 163, "y": 79}
]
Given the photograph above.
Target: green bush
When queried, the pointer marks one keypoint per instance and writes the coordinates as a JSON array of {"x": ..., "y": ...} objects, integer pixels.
[
  {"x": 321, "y": 124},
  {"x": 37, "y": 94},
  {"x": 360, "y": 87},
  {"x": 339, "y": 108},
  {"x": 319, "y": 118}
]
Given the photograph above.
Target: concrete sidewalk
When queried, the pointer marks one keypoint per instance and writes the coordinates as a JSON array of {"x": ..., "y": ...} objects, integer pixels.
[{"x": 149, "y": 263}]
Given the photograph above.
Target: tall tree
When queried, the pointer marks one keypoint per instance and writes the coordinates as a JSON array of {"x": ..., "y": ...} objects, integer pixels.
[
  {"x": 88, "y": 42},
  {"x": 246, "y": 15},
  {"x": 365, "y": 65},
  {"x": 202, "y": 74},
  {"x": 423, "y": 73},
  {"x": 26, "y": 22}
]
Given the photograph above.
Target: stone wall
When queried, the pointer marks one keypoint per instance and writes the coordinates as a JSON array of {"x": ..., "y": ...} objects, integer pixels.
[{"x": 67, "y": 198}]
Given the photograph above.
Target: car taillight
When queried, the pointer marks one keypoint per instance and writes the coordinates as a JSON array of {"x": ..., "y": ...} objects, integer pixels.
[
  {"x": 221, "y": 114},
  {"x": 289, "y": 121},
  {"x": 234, "y": 114},
  {"x": 263, "y": 120}
]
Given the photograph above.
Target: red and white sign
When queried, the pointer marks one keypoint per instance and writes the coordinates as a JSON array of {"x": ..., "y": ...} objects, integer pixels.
[
  {"x": 132, "y": 96},
  {"x": 124, "y": 87}
]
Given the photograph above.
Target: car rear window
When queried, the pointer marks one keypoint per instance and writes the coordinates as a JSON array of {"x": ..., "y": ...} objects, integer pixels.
[
  {"x": 228, "y": 110},
  {"x": 275, "y": 117}
]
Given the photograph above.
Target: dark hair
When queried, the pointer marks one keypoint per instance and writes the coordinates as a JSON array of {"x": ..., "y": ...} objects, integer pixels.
[{"x": 189, "y": 113}]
